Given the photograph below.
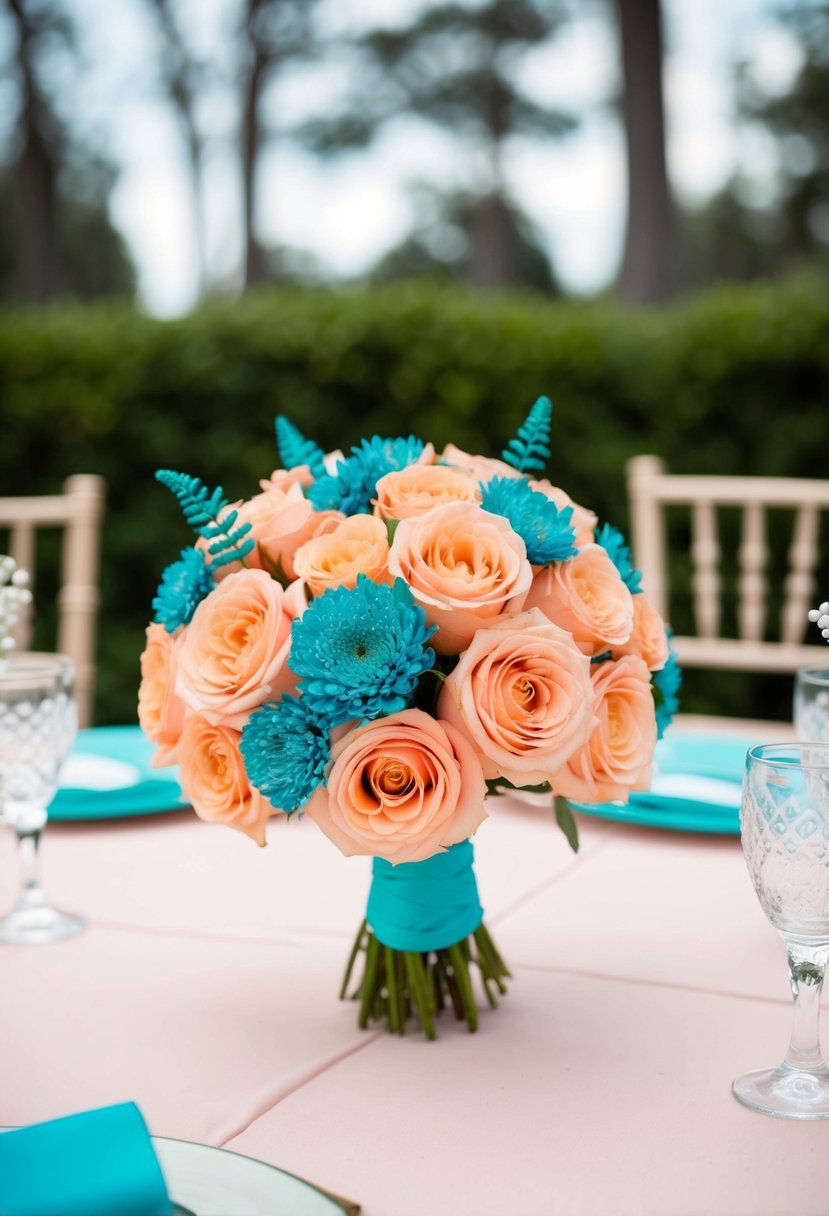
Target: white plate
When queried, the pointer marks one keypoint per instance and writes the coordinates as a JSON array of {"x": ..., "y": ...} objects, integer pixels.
[{"x": 209, "y": 1181}]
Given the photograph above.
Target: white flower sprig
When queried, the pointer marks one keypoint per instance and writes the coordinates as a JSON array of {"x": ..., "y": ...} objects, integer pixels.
[
  {"x": 14, "y": 594},
  {"x": 820, "y": 616}
]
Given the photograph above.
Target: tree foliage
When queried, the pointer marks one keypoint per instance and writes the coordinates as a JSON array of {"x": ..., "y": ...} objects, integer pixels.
[
  {"x": 743, "y": 233},
  {"x": 455, "y": 67}
]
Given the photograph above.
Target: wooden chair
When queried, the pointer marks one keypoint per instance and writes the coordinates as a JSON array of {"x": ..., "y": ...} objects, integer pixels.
[
  {"x": 78, "y": 511},
  {"x": 758, "y": 648}
]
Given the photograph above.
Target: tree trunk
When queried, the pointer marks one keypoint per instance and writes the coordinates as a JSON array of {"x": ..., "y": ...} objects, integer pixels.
[
  {"x": 256, "y": 268},
  {"x": 650, "y": 266},
  {"x": 493, "y": 252},
  {"x": 40, "y": 264}
]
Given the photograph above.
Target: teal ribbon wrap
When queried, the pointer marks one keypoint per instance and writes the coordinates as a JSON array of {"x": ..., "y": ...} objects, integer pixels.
[
  {"x": 425, "y": 905},
  {"x": 95, "y": 1163}
]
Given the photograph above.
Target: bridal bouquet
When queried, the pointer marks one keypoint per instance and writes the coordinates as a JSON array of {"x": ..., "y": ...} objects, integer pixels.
[{"x": 378, "y": 641}]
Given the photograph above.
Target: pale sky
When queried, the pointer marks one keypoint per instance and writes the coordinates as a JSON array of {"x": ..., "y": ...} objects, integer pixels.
[{"x": 346, "y": 213}]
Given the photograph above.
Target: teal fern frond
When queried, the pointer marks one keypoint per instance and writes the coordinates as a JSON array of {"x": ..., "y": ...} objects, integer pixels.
[
  {"x": 207, "y": 515},
  {"x": 295, "y": 449},
  {"x": 530, "y": 451}
]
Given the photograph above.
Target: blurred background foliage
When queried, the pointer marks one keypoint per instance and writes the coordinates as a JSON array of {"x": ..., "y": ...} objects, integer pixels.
[
  {"x": 707, "y": 346},
  {"x": 736, "y": 380}
]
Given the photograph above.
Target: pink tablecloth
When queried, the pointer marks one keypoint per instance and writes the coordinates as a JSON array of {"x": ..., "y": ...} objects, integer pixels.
[{"x": 646, "y": 978}]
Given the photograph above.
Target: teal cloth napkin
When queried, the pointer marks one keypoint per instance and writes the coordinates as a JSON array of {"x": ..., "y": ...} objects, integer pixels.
[{"x": 96, "y": 1163}]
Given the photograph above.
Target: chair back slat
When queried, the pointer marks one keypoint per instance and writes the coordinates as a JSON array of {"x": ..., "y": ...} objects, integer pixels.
[
  {"x": 752, "y": 557},
  {"x": 652, "y": 489},
  {"x": 648, "y": 525},
  {"x": 78, "y": 511},
  {"x": 705, "y": 550},
  {"x": 800, "y": 581},
  {"x": 22, "y": 549}
]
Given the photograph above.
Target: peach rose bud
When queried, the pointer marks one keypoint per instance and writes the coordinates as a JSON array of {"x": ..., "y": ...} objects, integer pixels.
[
  {"x": 648, "y": 639},
  {"x": 160, "y": 710},
  {"x": 411, "y": 491},
  {"x": 522, "y": 695},
  {"x": 359, "y": 545},
  {"x": 214, "y": 781},
  {"x": 403, "y": 787},
  {"x": 586, "y": 596},
  {"x": 234, "y": 652},
  {"x": 283, "y": 479},
  {"x": 484, "y": 468},
  {"x": 464, "y": 566},
  {"x": 281, "y": 521},
  {"x": 617, "y": 757}
]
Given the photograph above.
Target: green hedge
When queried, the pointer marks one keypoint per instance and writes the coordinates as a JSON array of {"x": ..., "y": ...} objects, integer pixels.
[{"x": 734, "y": 381}]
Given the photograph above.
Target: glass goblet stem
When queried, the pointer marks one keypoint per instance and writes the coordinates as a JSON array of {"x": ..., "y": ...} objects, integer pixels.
[
  {"x": 28, "y": 852},
  {"x": 807, "y": 967}
]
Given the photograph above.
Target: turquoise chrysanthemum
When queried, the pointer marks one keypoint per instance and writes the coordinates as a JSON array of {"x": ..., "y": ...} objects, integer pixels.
[
  {"x": 353, "y": 486},
  {"x": 617, "y": 550},
  {"x": 545, "y": 530},
  {"x": 184, "y": 584},
  {"x": 666, "y": 684},
  {"x": 285, "y": 750},
  {"x": 360, "y": 651}
]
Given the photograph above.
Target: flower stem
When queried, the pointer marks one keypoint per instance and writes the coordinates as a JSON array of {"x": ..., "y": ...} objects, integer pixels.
[
  {"x": 352, "y": 958},
  {"x": 367, "y": 987},
  {"x": 398, "y": 983},
  {"x": 395, "y": 1024},
  {"x": 460, "y": 966}
]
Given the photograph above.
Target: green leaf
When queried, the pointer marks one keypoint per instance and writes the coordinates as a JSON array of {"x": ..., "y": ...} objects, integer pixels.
[{"x": 565, "y": 820}]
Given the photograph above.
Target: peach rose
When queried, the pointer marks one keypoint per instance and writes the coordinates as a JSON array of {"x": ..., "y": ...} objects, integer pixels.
[
  {"x": 359, "y": 545},
  {"x": 295, "y": 599},
  {"x": 281, "y": 521},
  {"x": 283, "y": 479},
  {"x": 234, "y": 652},
  {"x": 583, "y": 520},
  {"x": 464, "y": 566},
  {"x": 160, "y": 711},
  {"x": 617, "y": 757},
  {"x": 411, "y": 491},
  {"x": 403, "y": 787},
  {"x": 586, "y": 596},
  {"x": 648, "y": 640},
  {"x": 522, "y": 694},
  {"x": 214, "y": 781},
  {"x": 484, "y": 468}
]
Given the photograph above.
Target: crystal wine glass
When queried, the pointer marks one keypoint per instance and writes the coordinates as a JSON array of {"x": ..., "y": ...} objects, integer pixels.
[
  {"x": 784, "y": 824},
  {"x": 38, "y": 723},
  {"x": 811, "y": 703}
]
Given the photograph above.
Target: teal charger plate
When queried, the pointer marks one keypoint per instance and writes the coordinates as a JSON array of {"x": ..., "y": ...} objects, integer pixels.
[
  {"x": 718, "y": 757},
  {"x": 155, "y": 792}
]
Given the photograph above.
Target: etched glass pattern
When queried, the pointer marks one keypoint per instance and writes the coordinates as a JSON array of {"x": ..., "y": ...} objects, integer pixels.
[
  {"x": 37, "y": 727},
  {"x": 785, "y": 831}
]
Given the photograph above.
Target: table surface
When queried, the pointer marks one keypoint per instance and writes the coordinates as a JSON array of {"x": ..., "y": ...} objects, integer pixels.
[{"x": 205, "y": 989}]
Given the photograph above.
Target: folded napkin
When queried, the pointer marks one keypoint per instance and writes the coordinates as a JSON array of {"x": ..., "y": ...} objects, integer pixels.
[
  {"x": 97, "y": 1163},
  {"x": 110, "y": 775},
  {"x": 720, "y": 757}
]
